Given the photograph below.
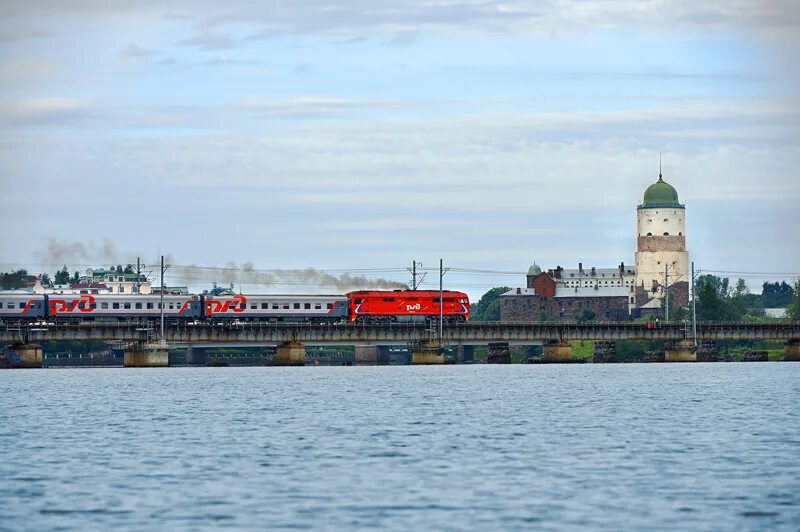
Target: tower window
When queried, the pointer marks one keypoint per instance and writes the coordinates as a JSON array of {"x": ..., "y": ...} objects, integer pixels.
[
  {"x": 649, "y": 234},
  {"x": 666, "y": 219},
  {"x": 666, "y": 234},
  {"x": 680, "y": 234}
]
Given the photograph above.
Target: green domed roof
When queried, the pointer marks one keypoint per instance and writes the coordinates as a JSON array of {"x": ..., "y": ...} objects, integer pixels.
[
  {"x": 534, "y": 270},
  {"x": 660, "y": 194}
]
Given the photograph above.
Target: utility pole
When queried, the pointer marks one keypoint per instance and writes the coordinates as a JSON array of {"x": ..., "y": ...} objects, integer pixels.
[
  {"x": 694, "y": 309},
  {"x": 666, "y": 293},
  {"x": 442, "y": 271},
  {"x": 163, "y": 269},
  {"x": 138, "y": 283},
  {"x": 413, "y": 271}
]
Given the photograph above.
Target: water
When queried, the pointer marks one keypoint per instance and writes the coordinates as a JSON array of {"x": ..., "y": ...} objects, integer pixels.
[{"x": 692, "y": 446}]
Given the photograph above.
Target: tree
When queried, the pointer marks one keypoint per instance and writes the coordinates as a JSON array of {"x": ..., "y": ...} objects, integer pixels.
[
  {"x": 713, "y": 300},
  {"x": 14, "y": 280},
  {"x": 119, "y": 268},
  {"x": 46, "y": 280},
  {"x": 62, "y": 276},
  {"x": 76, "y": 277},
  {"x": 129, "y": 269},
  {"x": 776, "y": 295},
  {"x": 488, "y": 307},
  {"x": 794, "y": 310}
]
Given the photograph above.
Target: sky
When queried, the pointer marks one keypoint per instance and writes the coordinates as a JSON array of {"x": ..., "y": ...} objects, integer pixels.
[{"x": 357, "y": 136}]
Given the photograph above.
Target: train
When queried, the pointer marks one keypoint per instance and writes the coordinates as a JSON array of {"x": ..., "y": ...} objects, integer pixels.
[{"x": 359, "y": 307}]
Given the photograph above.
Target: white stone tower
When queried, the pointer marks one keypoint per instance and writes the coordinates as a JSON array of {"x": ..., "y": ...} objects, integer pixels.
[{"x": 661, "y": 244}]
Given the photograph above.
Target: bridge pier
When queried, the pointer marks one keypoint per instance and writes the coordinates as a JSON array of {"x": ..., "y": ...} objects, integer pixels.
[
  {"x": 499, "y": 353},
  {"x": 146, "y": 356},
  {"x": 372, "y": 355},
  {"x": 706, "y": 351},
  {"x": 426, "y": 353},
  {"x": 682, "y": 351},
  {"x": 196, "y": 356},
  {"x": 605, "y": 352},
  {"x": 557, "y": 351},
  {"x": 791, "y": 350},
  {"x": 20, "y": 355},
  {"x": 290, "y": 354}
]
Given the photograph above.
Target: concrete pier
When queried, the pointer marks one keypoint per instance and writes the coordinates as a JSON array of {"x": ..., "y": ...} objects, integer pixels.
[
  {"x": 426, "y": 353},
  {"x": 499, "y": 353},
  {"x": 707, "y": 351},
  {"x": 605, "y": 352},
  {"x": 371, "y": 355},
  {"x": 146, "y": 356},
  {"x": 791, "y": 350},
  {"x": 556, "y": 351},
  {"x": 19, "y": 355},
  {"x": 290, "y": 354},
  {"x": 682, "y": 351}
]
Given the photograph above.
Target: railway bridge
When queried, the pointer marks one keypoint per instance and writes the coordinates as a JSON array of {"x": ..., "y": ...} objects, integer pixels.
[{"x": 147, "y": 348}]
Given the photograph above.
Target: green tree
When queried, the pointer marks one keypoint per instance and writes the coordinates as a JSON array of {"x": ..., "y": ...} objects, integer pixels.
[
  {"x": 794, "y": 310},
  {"x": 488, "y": 307},
  {"x": 76, "y": 277},
  {"x": 586, "y": 315},
  {"x": 14, "y": 280},
  {"x": 129, "y": 269},
  {"x": 713, "y": 300},
  {"x": 46, "y": 280},
  {"x": 61, "y": 276},
  {"x": 776, "y": 295}
]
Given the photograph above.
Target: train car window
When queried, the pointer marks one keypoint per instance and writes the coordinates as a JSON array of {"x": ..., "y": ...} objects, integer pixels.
[
  {"x": 1, "y": 304},
  {"x": 435, "y": 299},
  {"x": 127, "y": 306},
  {"x": 329, "y": 306},
  {"x": 170, "y": 306},
  {"x": 93, "y": 305},
  {"x": 104, "y": 305},
  {"x": 22, "y": 305},
  {"x": 264, "y": 306},
  {"x": 150, "y": 306},
  {"x": 115, "y": 305},
  {"x": 138, "y": 305},
  {"x": 297, "y": 305},
  {"x": 286, "y": 307},
  {"x": 307, "y": 306},
  {"x": 82, "y": 304},
  {"x": 253, "y": 307},
  {"x": 318, "y": 306},
  {"x": 275, "y": 306}
]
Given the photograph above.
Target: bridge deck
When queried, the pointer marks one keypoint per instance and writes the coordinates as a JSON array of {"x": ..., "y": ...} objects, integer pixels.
[{"x": 346, "y": 333}]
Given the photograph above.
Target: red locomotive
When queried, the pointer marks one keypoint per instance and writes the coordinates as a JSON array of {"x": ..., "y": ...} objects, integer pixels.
[{"x": 384, "y": 306}]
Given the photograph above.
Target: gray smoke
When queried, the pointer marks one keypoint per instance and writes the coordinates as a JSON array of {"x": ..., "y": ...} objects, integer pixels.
[
  {"x": 77, "y": 254},
  {"x": 246, "y": 273}
]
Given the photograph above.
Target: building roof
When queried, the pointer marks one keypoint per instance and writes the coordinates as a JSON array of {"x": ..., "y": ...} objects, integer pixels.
[
  {"x": 534, "y": 269},
  {"x": 586, "y": 273},
  {"x": 660, "y": 194}
]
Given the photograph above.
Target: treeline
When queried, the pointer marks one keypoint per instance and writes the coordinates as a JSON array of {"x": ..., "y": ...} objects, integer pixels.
[{"x": 20, "y": 278}]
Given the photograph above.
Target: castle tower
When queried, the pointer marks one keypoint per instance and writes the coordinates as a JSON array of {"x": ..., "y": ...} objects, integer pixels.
[{"x": 661, "y": 244}]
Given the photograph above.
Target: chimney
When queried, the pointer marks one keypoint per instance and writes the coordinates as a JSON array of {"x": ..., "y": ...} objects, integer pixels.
[
  {"x": 594, "y": 272},
  {"x": 580, "y": 268}
]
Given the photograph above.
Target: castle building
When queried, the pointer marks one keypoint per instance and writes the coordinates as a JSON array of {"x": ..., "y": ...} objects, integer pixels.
[
  {"x": 661, "y": 255},
  {"x": 612, "y": 294}
]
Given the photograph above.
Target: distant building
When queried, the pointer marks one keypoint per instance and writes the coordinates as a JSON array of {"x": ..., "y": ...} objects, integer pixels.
[
  {"x": 117, "y": 282},
  {"x": 612, "y": 294}
]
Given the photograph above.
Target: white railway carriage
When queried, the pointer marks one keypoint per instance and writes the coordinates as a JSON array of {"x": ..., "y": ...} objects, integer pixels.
[
  {"x": 277, "y": 308},
  {"x": 22, "y": 306},
  {"x": 123, "y": 307}
]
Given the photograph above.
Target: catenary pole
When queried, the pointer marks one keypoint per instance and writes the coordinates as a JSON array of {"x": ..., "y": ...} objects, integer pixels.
[
  {"x": 441, "y": 304},
  {"x": 162, "y": 299},
  {"x": 694, "y": 309},
  {"x": 666, "y": 293}
]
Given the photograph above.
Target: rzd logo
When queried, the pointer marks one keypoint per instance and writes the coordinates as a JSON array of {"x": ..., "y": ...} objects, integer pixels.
[
  {"x": 62, "y": 306},
  {"x": 237, "y": 304},
  {"x": 411, "y": 308}
]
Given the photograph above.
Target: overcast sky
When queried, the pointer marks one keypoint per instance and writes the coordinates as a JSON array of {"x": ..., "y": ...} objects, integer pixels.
[{"x": 367, "y": 133}]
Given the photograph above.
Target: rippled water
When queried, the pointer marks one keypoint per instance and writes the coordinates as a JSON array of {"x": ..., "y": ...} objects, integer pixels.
[{"x": 701, "y": 446}]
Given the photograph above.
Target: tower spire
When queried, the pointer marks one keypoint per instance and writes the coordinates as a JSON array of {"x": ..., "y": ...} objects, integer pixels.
[{"x": 659, "y": 167}]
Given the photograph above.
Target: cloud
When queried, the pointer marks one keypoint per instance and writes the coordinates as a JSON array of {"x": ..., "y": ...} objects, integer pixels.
[
  {"x": 315, "y": 106},
  {"x": 208, "y": 40},
  {"x": 134, "y": 50},
  {"x": 41, "y": 111}
]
